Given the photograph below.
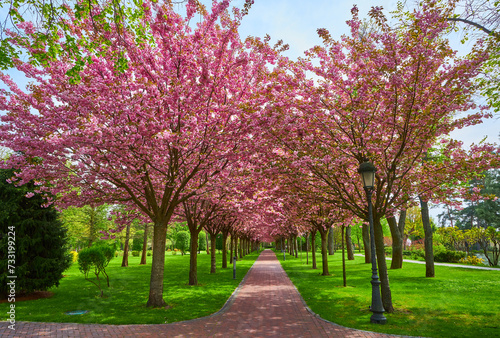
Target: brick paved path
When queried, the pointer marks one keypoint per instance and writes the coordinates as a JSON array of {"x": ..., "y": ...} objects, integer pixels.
[{"x": 265, "y": 305}]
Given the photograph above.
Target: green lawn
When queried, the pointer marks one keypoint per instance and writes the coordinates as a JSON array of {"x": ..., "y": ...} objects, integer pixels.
[
  {"x": 458, "y": 302},
  {"x": 125, "y": 300}
]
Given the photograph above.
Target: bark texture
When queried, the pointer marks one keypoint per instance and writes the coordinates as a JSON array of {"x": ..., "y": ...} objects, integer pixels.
[
  {"x": 144, "y": 245},
  {"x": 331, "y": 250},
  {"x": 348, "y": 243},
  {"x": 385, "y": 289},
  {"x": 125, "y": 249},
  {"x": 158, "y": 266},
  {"x": 212, "y": 254},
  {"x": 397, "y": 243},
  {"x": 313, "y": 249},
  {"x": 429, "y": 252}
]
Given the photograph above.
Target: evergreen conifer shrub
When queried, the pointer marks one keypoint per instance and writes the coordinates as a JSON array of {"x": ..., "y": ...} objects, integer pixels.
[{"x": 39, "y": 240}]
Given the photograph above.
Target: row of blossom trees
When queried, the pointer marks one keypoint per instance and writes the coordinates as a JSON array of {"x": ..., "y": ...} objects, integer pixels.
[{"x": 173, "y": 119}]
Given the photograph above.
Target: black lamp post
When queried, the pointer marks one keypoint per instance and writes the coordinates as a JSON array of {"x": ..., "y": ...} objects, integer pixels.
[{"x": 367, "y": 172}]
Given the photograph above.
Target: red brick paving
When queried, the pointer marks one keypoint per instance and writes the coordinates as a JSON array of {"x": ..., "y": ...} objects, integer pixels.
[{"x": 265, "y": 305}]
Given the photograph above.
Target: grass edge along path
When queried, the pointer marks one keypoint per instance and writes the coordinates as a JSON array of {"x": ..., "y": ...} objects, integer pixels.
[
  {"x": 456, "y": 303},
  {"x": 124, "y": 302}
]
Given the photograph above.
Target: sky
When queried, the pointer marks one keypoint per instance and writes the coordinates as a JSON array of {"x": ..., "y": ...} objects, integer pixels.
[{"x": 296, "y": 21}]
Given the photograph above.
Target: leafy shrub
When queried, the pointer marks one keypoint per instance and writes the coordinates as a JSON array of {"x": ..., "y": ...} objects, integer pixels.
[
  {"x": 449, "y": 256},
  {"x": 471, "y": 260},
  {"x": 202, "y": 241},
  {"x": 137, "y": 244},
  {"x": 149, "y": 253},
  {"x": 135, "y": 253},
  {"x": 95, "y": 259},
  {"x": 182, "y": 241},
  {"x": 442, "y": 254},
  {"x": 388, "y": 250},
  {"x": 417, "y": 254}
]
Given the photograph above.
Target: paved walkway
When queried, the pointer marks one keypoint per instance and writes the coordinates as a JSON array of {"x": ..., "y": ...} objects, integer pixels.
[
  {"x": 443, "y": 264},
  {"x": 266, "y": 304}
]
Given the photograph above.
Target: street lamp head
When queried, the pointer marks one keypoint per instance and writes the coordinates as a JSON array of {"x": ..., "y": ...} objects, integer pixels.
[{"x": 367, "y": 172}]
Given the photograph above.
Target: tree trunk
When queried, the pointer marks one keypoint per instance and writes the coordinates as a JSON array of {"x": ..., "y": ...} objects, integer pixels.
[
  {"x": 144, "y": 245},
  {"x": 385, "y": 289},
  {"x": 193, "y": 258},
  {"x": 158, "y": 266},
  {"x": 397, "y": 244},
  {"x": 224, "y": 249},
  {"x": 344, "y": 274},
  {"x": 125, "y": 250},
  {"x": 348, "y": 242},
  {"x": 240, "y": 249},
  {"x": 307, "y": 248},
  {"x": 324, "y": 251},
  {"x": 429, "y": 254},
  {"x": 295, "y": 246},
  {"x": 231, "y": 249},
  {"x": 212, "y": 253},
  {"x": 366, "y": 243},
  {"x": 331, "y": 236},
  {"x": 313, "y": 249},
  {"x": 206, "y": 243}
]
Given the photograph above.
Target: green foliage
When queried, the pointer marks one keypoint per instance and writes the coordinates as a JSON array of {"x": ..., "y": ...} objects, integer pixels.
[
  {"x": 202, "y": 241},
  {"x": 482, "y": 213},
  {"x": 182, "y": 241},
  {"x": 137, "y": 244},
  {"x": 33, "y": 243},
  {"x": 442, "y": 254},
  {"x": 218, "y": 242},
  {"x": 95, "y": 259},
  {"x": 135, "y": 253},
  {"x": 84, "y": 224},
  {"x": 173, "y": 229}
]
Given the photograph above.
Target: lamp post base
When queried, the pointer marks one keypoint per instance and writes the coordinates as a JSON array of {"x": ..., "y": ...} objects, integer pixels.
[{"x": 378, "y": 318}]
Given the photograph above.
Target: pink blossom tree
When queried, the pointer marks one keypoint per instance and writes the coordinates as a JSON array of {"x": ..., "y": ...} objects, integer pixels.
[
  {"x": 388, "y": 96},
  {"x": 150, "y": 112}
]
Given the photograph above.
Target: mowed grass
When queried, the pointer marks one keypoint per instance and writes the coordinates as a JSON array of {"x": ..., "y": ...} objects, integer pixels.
[
  {"x": 124, "y": 302},
  {"x": 458, "y": 302}
]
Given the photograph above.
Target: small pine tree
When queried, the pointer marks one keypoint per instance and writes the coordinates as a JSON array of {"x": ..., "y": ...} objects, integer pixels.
[{"x": 41, "y": 255}]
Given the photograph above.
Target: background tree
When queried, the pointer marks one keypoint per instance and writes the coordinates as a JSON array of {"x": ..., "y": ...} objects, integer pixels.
[
  {"x": 41, "y": 251},
  {"x": 85, "y": 224},
  {"x": 182, "y": 242}
]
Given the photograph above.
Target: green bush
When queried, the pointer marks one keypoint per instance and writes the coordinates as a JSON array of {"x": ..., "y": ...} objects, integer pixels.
[
  {"x": 443, "y": 255},
  {"x": 202, "y": 241},
  {"x": 137, "y": 244},
  {"x": 95, "y": 259},
  {"x": 33, "y": 241},
  {"x": 149, "y": 253},
  {"x": 388, "y": 250},
  {"x": 135, "y": 253},
  {"x": 182, "y": 241},
  {"x": 417, "y": 254}
]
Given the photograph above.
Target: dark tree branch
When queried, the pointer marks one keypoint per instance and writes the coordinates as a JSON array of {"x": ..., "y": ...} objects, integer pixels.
[{"x": 472, "y": 23}]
